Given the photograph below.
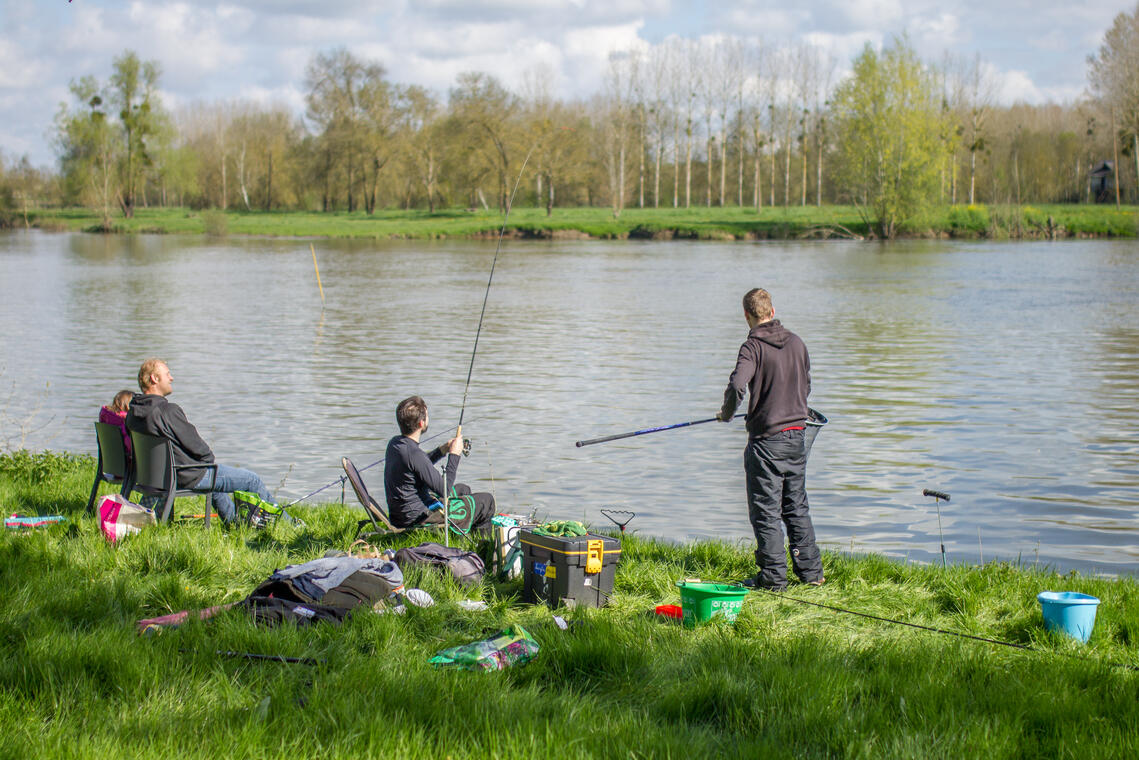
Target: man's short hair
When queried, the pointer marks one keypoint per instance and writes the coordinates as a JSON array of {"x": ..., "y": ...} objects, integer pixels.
[
  {"x": 148, "y": 368},
  {"x": 757, "y": 303},
  {"x": 410, "y": 413}
]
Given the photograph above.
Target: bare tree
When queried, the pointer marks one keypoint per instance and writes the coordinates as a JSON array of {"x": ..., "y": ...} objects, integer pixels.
[
  {"x": 659, "y": 114},
  {"x": 616, "y": 122},
  {"x": 1113, "y": 73},
  {"x": 978, "y": 94}
]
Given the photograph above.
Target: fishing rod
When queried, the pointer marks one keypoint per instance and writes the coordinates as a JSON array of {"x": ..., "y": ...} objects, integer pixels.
[
  {"x": 344, "y": 478},
  {"x": 486, "y": 295},
  {"x": 646, "y": 431},
  {"x": 478, "y": 332},
  {"x": 815, "y": 420},
  {"x": 783, "y": 597}
]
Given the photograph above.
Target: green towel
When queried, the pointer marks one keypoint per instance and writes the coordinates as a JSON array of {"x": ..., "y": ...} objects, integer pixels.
[{"x": 562, "y": 528}]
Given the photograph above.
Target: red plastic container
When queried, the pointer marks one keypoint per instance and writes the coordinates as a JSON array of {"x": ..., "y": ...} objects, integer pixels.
[{"x": 670, "y": 610}]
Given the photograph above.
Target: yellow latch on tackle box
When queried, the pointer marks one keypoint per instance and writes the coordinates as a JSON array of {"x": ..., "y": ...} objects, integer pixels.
[{"x": 593, "y": 558}]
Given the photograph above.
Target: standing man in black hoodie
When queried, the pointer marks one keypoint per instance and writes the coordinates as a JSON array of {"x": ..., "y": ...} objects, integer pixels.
[
  {"x": 773, "y": 366},
  {"x": 151, "y": 413}
]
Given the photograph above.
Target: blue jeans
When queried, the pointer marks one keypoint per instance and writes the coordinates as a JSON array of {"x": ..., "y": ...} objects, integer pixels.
[{"x": 230, "y": 479}]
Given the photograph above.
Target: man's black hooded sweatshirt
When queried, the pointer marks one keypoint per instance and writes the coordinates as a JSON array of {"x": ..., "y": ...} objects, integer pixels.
[
  {"x": 151, "y": 413},
  {"x": 773, "y": 366}
]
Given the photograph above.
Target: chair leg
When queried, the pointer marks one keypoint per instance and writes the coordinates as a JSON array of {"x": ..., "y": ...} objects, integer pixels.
[
  {"x": 95, "y": 485},
  {"x": 168, "y": 507},
  {"x": 209, "y": 499},
  {"x": 94, "y": 491}
]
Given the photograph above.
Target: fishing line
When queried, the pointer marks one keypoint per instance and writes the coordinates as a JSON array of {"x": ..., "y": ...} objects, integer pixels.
[
  {"x": 478, "y": 332},
  {"x": 486, "y": 296},
  {"x": 783, "y": 597},
  {"x": 344, "y": 478}
]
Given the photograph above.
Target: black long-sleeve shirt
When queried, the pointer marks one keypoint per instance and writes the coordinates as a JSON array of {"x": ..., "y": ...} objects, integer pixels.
[
  {"x": 411, "y": 481},
  {"x": 774, "y": 367}
]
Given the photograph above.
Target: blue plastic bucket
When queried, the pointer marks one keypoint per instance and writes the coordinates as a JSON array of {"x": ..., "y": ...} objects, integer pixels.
[{"x": 1069, "y": 613}]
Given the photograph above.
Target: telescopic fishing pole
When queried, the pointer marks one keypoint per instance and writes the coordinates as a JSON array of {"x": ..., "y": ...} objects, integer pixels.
[
  {"x": 646, "y": 431},
  {"x": 343, "y": 478},
  {"x": 814, "y": 422},
  {"x": 478, "y": 332}
]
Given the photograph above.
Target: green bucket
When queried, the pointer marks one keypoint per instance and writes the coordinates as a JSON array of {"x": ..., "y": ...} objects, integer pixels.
[{"x": 703, "y": 601}]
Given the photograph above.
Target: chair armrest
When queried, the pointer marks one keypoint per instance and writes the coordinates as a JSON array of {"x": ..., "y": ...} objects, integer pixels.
[
  {"x": 207, "y": 465},
  {"x": 212, "y": 466}
]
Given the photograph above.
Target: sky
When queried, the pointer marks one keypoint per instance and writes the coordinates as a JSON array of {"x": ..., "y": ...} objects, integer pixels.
[{"x": 1034, "y": 50}]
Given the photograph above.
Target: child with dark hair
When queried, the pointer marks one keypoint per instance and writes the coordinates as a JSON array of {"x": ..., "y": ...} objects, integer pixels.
[{"x": 115, "y": 414}]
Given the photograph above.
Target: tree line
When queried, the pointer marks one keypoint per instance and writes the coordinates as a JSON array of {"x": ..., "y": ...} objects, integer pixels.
[{"x": 681, "y": 124}]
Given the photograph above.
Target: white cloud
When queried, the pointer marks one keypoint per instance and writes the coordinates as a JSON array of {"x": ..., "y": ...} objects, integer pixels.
[
  {"x": 844, "y": 47},
  {"x": 1016, "y": 86},
  {"x": 258, "y": 49},
  {"x": 941, "y": 31}
]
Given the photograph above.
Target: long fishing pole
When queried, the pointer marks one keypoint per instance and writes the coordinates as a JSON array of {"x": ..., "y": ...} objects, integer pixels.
[
  {"x": 814, "y": 420},
  {"x": 478, "y": 332},
  {"x": 343, "y": 478},
  {"x": 646, "y": 431},
  {"x": 783, "y": 597},
  {"x": 486, "y": 295}
]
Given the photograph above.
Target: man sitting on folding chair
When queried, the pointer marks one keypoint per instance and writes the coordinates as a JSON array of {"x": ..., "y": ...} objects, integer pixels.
[
  {"x": 151, "y": 413},
  {"x": 414, "y": 487}
]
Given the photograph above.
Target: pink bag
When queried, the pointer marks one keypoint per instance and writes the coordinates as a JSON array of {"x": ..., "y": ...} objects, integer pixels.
[{"x": 119, "y": 517}]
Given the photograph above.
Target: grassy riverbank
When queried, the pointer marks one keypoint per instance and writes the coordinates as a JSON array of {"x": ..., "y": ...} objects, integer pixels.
[
  {"x": 700, "y": 223},
  {"x": 787, "y": 679}
]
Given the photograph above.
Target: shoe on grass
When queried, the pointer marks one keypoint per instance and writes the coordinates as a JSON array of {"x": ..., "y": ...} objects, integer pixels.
[
  {"x": 753, "y": 582},
  {"x": 817, "y": 582}
]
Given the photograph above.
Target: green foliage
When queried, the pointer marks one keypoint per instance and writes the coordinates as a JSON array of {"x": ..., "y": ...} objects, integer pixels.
[
  {"x": 215, "y": 222},
  {"x": 890, "y": 132},
  {"x": 968, "y": 221},
  {"x": 38, "y": 467},
  {"x": 730, "y": 223},
  {"x": 786, "y": 679}
]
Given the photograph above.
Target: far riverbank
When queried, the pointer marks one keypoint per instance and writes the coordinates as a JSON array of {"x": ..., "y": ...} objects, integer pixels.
[{"x": 699, "y": 223}]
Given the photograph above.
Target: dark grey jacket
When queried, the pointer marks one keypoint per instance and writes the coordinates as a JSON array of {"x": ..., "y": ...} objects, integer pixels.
[
  {"x": 773, "y": 366},
  {"x": 151, "y": 413}
]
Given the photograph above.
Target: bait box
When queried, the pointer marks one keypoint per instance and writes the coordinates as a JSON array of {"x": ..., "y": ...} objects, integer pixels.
[{"x": 568, "y": 570}]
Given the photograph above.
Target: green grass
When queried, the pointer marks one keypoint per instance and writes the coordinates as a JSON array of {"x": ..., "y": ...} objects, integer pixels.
[
  {"x": 786, "y": 680},
  {"x": 698, "y": 223}
]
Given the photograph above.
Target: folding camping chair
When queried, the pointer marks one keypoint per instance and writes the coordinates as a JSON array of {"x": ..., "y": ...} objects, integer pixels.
[{"x": 377, "y": 516}]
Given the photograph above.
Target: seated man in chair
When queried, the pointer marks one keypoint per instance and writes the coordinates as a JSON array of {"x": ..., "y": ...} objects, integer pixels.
[
  {"x": 413, "y": 486},
  {"x": 151, "y": 413}
]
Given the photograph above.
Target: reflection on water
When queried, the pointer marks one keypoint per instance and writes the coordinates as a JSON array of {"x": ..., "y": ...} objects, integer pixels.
[{"x": 1003, "y": 374}]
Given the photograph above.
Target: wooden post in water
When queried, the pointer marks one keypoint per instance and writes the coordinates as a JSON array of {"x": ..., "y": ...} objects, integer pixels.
[{"x": 314, "y": 266}]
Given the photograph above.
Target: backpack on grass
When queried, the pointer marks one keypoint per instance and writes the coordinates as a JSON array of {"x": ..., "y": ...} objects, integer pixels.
[{"x": 464, "y": 566}]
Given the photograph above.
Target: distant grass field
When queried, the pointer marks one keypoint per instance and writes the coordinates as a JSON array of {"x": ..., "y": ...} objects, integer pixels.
[
  {"x": 697, "y": 223},
  {"x": 787, "y": 680}
]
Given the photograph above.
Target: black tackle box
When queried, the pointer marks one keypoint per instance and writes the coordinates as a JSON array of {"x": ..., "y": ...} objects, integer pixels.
[{"x": 568, "y": 570}]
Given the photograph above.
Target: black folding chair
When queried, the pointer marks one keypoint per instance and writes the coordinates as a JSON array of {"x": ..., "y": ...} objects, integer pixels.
[
  {"x": 155, "y": 473},
  {"x": 114, "y": 465},
  {"x": 377, "y": 516}
]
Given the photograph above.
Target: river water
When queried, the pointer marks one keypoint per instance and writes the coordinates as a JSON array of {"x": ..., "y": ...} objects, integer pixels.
[{"x": 1004, "y": 374}]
